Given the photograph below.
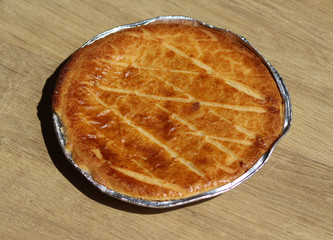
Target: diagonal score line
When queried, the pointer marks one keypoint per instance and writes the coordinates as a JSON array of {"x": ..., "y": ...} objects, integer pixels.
[
  {"x": 239, "y": 141},
  {"x": 173, "y": 86},
  {"x": 140, "y": 165},
  {"x": 184, "y": 100},
  {"x": 244, "y": 88},
  {"x": 200, "y": 133},
  {"x": 150, "y": 180},
  {"x": 208, "y": 139},
  {"x": 179, "y": 119},
  {"x": 196, "y": 61},
  {"x": 143, "y": 68},
  {"x": 151, "y": 96},
  {"x": 141, "y": 177},
  {"x": 232, "y": 140},
  {"x": 109, "y": 140},
  {"x": 239, "y": 128},
  {"x": 188, "y": 164},
  {"x": 233, "y": 83},
  {"x": 225, "y": 74},
  {"x": 173, "y": 154},
  {"x": 158, "y": 142},
  {"x": 237, "y": 85}
]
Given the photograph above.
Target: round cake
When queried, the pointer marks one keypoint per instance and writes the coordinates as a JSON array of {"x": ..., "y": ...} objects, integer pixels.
[{"x": 167, "y": 110}]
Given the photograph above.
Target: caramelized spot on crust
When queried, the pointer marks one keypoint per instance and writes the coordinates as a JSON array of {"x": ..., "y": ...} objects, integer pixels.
[
  {"x": 153, "y": 114},
  {"x": 195, "y": 106},
  {"x": 260, "y": 142}
]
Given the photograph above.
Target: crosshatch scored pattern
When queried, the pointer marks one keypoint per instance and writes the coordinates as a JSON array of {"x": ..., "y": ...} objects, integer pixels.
[{"x": 167, "y": 111}]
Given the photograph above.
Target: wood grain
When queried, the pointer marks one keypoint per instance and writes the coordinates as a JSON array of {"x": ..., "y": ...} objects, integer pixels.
[{"x": 43, "y": 197}]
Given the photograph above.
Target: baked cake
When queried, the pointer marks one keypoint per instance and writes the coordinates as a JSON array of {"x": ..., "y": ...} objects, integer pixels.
[{"x": 167, "y": 110}]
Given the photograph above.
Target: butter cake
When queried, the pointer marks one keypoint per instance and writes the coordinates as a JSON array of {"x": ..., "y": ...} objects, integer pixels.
[{"x": 167, "y": 110}]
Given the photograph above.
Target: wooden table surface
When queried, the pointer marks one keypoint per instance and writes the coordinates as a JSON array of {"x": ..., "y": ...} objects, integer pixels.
[{"x": 44, "y": 197}]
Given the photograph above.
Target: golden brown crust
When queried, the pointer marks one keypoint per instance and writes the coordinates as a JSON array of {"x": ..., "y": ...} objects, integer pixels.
[{"x": 167, "y": 111}]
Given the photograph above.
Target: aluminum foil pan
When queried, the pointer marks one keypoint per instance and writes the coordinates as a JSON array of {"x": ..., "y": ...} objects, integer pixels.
[{"x": 209, "y": 194}]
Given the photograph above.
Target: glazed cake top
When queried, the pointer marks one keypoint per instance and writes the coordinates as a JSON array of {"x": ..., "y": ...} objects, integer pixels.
[{"x": 167, "y": 111}]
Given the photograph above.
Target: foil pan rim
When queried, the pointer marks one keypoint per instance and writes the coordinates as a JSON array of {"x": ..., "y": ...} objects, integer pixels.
[{"x": 206, "y": 195}]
